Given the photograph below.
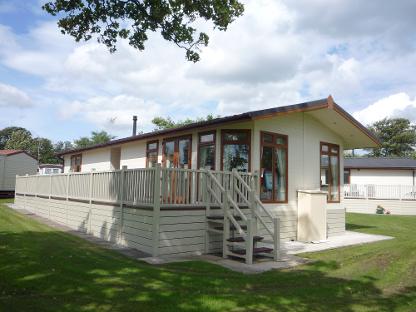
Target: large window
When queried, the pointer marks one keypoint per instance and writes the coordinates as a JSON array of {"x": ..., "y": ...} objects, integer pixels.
[
  {"x": 330, "y": 172},
  {"x": 76, "y": 162},
  {"x": 177, "y": 153},
  {"x": 206, "y": 150},
  {"x": 152, "y": 149},
  {"x": 235, "y": 150},
  {"x": 273, "y": 164}
]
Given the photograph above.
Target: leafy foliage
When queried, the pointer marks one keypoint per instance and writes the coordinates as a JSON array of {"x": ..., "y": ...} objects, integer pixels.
[
  {"x": 398, "y": 137},
  {"x": 41, "y": 148},
  {"x": 167, "y": 123},
  {"x": 111, "y": 20},
  {"x": 7, "y": 132},
  {"x": 97, "y": 137}
]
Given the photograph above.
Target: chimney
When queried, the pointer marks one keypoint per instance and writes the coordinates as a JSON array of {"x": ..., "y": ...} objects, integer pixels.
[{"x": 134, "y": 125}]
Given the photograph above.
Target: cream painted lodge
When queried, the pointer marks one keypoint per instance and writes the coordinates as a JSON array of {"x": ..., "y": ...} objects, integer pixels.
[{"x": 237, "y": 185}]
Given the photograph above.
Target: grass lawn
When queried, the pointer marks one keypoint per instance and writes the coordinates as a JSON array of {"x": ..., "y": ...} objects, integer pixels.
[{"x": 42, "y": 269}]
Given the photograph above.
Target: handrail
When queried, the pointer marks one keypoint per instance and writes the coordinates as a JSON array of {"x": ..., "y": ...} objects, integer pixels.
[{"x": 212, "y": 177}]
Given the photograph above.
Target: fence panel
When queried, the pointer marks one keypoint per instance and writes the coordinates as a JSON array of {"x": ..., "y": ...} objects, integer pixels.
[
  {"x": 373, "y": 191},
  {"x": 105, "y": 186},
  {"x": 79, "y": 186},
  {"x": 59, "y": 185},
  {"x": 139, "y": 186}
]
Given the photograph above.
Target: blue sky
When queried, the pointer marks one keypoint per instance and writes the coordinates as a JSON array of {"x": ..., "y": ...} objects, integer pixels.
[{"x": 278, "y": 53}]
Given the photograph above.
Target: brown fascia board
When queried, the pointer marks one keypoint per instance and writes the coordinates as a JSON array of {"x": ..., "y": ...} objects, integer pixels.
[
  {"x": 264, "y": 113},
  {"x": 380, "y": 168},
  {"x": 355, "y": 122}
]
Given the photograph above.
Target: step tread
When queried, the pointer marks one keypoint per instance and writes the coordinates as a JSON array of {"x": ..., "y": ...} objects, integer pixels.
[
  {"x": 221, "y": 217},
  {"x": 257, "y": 250},
  {"x": 232, "y": 227},
  {"x": 242, "y": 239}
]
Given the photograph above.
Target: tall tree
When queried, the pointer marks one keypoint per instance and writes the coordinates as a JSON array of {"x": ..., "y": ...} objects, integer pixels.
[
  {"x": 97, "y": 137},
  {"x": 21, "y": 140},
  {"x": 62, "y": 146},
  {"x": 110, "y": 20},
  {"x": 167, "y": 123},
  {"x": 6, "y": 133},
  {"x": 397, "y": 136}
]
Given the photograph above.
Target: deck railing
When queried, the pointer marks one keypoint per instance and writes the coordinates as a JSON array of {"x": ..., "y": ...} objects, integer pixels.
[
  {"x": 374, "y": 191},
  {"x": 175, "y": 187}
]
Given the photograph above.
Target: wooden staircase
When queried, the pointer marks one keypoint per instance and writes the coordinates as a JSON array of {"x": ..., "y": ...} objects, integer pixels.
[{"x": 239, "y": 230}]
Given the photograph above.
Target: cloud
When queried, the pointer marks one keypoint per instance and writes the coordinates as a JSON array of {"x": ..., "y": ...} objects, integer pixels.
[
  {"x": 277, "y": 53},
  {"x": 395, "y": 105},
  {"x": 12, "y": 97},
  {"x": 113, "y": 113}
]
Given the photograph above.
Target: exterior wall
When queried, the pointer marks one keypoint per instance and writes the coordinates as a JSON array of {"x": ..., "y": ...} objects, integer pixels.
[
  {"x": 17, "y": 164},
  {"x": 382, "y": 176},
  {"x": 100, "y": 220},
  {"x": 93, "y": 160},
  {"x": 335, "y": 222},
  {"x": 396, "y": 207}
]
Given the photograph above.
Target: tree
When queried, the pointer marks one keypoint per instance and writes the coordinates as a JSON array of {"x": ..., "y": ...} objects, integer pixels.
[
  {"x": 21, "y": 140},
  {"x": 62, "y": 146},
  {"x": 97, "y": 137},
  {"x": 6, "y": 133},
  {"x": 167, "y": 123},
  {"x": 397, "y": 136},
  {"x": 111, "y": 20}
]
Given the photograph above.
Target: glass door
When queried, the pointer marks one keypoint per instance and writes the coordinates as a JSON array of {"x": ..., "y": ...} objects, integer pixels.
[{"x": 177, "y": 153}]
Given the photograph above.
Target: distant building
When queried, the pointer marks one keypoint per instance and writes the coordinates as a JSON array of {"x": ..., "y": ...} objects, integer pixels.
[
  {"x": 12, "y": 163},
  {"x": 379, "y": 171},
  {"x": 50, "y": 169}
]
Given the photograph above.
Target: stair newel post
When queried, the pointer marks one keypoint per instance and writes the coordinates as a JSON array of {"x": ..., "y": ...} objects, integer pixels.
[
  {"x": 250, "y": 241},
  {"x": 234, "y": 184},
  {"x": 204, "y": 191},
  {"x": 276, "y": 239},
  {"x": 156, "y": 212},
  {"x": 226, "y": 228},
  {"x": 252, "y": 199}
]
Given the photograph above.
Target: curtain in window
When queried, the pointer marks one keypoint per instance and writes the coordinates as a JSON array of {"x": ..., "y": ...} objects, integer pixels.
[{"x": 280, "y": 177}]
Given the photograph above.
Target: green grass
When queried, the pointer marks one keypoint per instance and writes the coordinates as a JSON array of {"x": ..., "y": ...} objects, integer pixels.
[{"x": 42, "y": 269}]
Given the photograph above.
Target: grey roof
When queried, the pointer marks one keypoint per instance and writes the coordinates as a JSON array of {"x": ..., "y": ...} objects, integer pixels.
[{"x": 379, "y": 163}]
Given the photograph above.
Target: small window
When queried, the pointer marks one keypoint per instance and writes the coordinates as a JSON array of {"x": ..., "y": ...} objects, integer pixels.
[
  {"x": 206, "y": 151},
  {"x": 330, "y": 171},
  {"x": 152, "y": 154},
  {"x": 76, "y": 162},
  {"x": 235, "y": 150},
  {"x": 347, "y": 176}
]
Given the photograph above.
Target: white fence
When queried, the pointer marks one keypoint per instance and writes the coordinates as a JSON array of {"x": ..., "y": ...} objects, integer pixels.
[{"x": 385, "y": 192}]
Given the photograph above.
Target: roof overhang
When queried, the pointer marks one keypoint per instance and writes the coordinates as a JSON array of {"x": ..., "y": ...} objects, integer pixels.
[{"x": 354, "y": 134}]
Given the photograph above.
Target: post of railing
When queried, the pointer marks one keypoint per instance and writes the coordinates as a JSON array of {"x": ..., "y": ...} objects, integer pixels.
[
  {"x": 226, "y": 229},
  {"x": 156, "y": 212},
  {"x": 250, "y": 241},
  {"x": 89, "y": 224},
  {"x": 252, "y": 200},
  {"x": 276, "y": 239},
  {"x": 121, "y": 203},
  {"x": 233, "y": 185},
  {"x": 204, "y": 191},
  {"x": 50, "y": 195},
  {"x": 67, "y": 197}
]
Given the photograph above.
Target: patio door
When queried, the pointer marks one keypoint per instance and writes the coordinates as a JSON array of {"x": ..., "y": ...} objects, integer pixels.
[{"x": 177, "y": 153}]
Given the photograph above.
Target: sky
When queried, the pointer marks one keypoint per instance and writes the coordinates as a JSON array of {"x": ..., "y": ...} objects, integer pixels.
[{"x": 279, "y": 52}]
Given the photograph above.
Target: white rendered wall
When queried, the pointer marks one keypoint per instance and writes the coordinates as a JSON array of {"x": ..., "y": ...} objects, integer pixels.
[{"x": 381, "y": 176}]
